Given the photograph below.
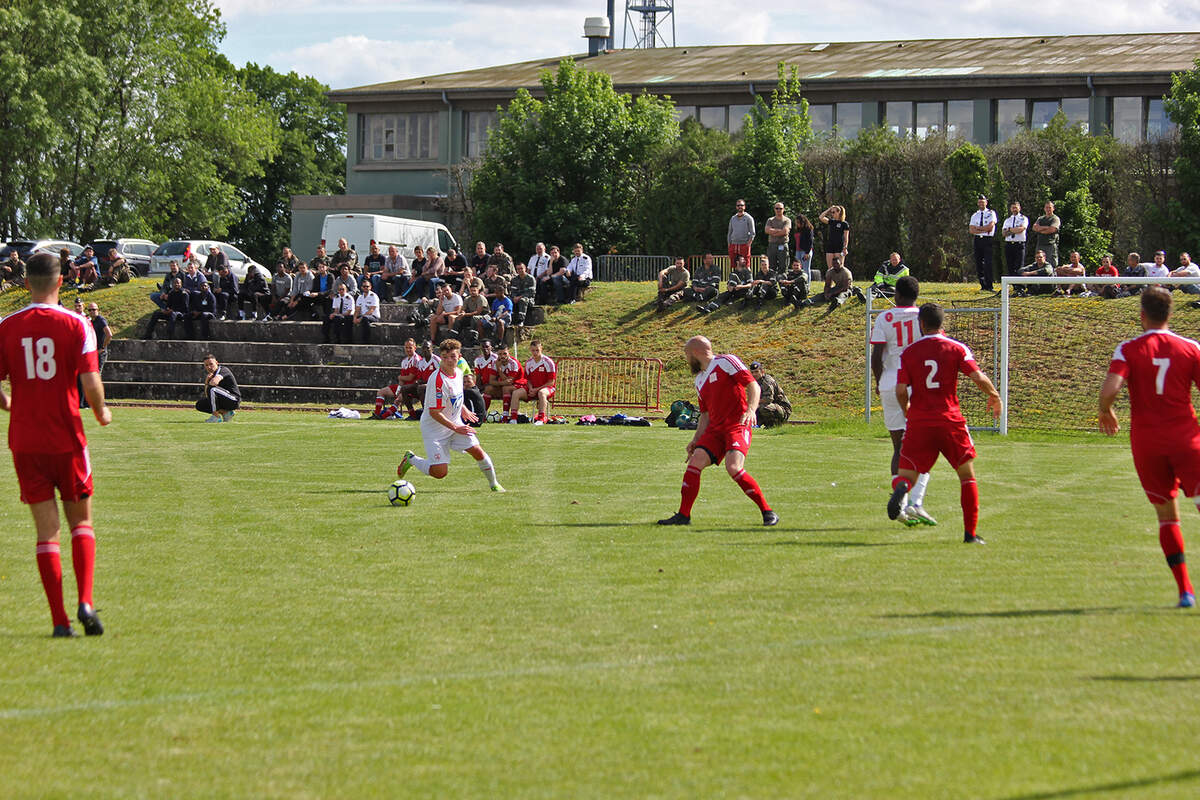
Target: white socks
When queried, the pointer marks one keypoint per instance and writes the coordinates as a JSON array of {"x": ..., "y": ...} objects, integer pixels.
[
  {"x": 420, "y": 463},
  {"x": 917, "y": 496},
  {"x": 489, "y": 472}
]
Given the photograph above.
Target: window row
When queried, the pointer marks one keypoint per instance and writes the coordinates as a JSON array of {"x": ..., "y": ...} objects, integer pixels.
[{"x": 400, "y": 137}]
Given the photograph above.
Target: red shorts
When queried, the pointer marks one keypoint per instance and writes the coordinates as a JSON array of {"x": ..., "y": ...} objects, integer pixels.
[
  {"x": 533, "y": 390},
  {"x": 742, "y": 250},
  {"x": 40, "y": 473},
  {"x": 1165, "y": 466},
  {"x": 717, "y": 442},
  {"x": 922, "y": 443},
  {"x": 394, "y": 388}
]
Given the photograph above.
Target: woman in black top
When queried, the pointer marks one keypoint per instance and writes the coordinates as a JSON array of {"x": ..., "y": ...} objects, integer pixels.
[
  {"x": 804, "y": 242},
  {"x": 837, "y": 234}
]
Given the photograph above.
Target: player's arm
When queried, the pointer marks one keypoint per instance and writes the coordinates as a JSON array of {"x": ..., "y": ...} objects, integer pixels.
[
  {"x": 1108, "y": 395},
  {"x": 877, "y": 349},
  {"x": 439, "y": 416},
  {"x": 93, "y": 390},
  {"x": 985, "y": 385},
  {"x": 753, "y": 395},
  {"x": 4, "y": 404},
  {"x": 902, "y": 394},
  {"x": 701, "y": 426}
]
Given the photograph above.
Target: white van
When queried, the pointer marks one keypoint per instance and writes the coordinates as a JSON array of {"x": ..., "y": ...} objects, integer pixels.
[{"x": 360, "y": 230}]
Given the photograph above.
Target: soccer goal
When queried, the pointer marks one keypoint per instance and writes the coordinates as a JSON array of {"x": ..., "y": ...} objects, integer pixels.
[{"x": 1055, "y": 350}]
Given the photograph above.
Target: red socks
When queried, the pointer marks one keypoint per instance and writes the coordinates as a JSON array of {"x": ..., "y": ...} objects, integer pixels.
[
  {"x": 691, "y": 488},
  {"x": 380, "y": 402},
  {"x": 83, "y": 560},
  {"x": 1170, "y": 537},
  {"x": 970, "y": 505},
  {"x": 50, "y": 568},
  {"x": 750, "y": 487}
]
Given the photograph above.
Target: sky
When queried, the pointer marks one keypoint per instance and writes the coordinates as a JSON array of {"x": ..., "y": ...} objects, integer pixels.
[{"x": 358, "y": 42}]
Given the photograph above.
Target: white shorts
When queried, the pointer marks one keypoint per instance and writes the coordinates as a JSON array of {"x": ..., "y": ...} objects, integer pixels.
[
  {"x": 438, "y": 444},
  {"x": 893, "y": 415}
]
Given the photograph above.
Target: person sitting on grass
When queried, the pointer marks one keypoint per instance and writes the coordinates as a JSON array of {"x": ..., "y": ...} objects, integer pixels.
[
  {"x": 740, "y": 281},
  {"x": 840, "y": 287},
  {"x": 794, "y": 285},
  {"x": 764, "y": 286},
  {"x": 221, "y": 393},
  {"x": 672, "y": 282},
  {"x": 886, "y": 276},
  {"x": 1040, "y": 268},
  {"x": 1072, "y": 269},
  {"x": 1107, "y": 270},
  {"x": 706, "y": 283}
]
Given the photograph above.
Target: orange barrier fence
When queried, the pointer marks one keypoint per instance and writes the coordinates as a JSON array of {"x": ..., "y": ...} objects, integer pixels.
[{"x": 609, "y": 383}]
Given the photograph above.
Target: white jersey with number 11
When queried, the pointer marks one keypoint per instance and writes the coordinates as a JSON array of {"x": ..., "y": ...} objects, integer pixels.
[{"x": 896, "y": 328}]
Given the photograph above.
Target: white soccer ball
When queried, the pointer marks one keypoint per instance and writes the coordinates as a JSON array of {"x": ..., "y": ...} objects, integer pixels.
[
  {"x": 401, "y": 493},
  {"x": 495, "y": 416}
]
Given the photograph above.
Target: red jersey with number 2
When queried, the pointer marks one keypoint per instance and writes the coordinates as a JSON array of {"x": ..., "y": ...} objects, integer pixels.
[
  {"x": 930, "y": 366},
  {"x": 722, "y": 390},
  {"x": 42, "y": 350},
  {"x": 1160, "y": 367}
]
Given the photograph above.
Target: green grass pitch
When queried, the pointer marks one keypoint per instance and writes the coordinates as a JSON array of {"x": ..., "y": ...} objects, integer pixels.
[{"x": 276, "y": 629}]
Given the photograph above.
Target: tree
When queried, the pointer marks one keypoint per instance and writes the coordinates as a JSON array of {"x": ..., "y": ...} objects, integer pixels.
[
  {"x": 570, "y": 167},
  {"x": 1182, "y": 105},
  {"x": 311, "y": 157},
  {"x": 968, "y": 173}
]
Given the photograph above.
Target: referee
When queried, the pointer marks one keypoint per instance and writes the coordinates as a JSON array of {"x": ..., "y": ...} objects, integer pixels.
[
  {"x": 221, "y": 394},
  {"x": 983, "y": 226}
]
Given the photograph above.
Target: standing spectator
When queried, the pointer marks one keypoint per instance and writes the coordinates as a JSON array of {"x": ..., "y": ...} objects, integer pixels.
[
  {"x": 322, "y": 290},
  {"x": 539, "y": 268},
  {"x": 344, "y": 257},
  {"x": 366, "y": 312},
  {"x": 779, "y": 231},
  {"x": 201, "y": 307},
  {"x": 983, "y": 228},
  {"x": 1107, "y": 270},
  {"x": 447, "y": 310},
  {"x": 12, "y": 271},
  {"x": 225, "y": 290},
  {"x": 319, "y": 259},
  {"x": 104, "y": 335},
  {"x": 764, "y": 285},
  {"x": 706, "y": 282},
  {"x": 1187, "y": 270},
  {"x": 549, "y": 283},
  {"x": 339, "y": 322},
  {"x": 840, "y": 288},
  {"x": 396, "y": 275},
  {"x": 773, "y": 406},
  {"x": 1046, "y": 228},
  {"x": 802, "y": 233},
  {"x": 373, "y": 269},
  {"x": 672, "y": 282},
  {"x": 1014, "y": 230},
  {"x": 540, "y": 377},
  {"x": 793, "y": 286},
  {"x": 289, "y": 261},
  {"x": 502, "y": 260},
  {"x": 253, "y": 295},
  {"x": 221, "y": 393},
  {"x": 302, "y": 298},
  {"x": 281, "y": 292},
  {"x": 522, "y": 290},
  {"x": 216, "y": 259},
  {"x": 1072, "y": 269},
  {"x": 740, "y": 233},
  {"x": 740, "y": 280},
  {"x": 456, "y": 267},
  {"x": 175, "y": 310},
  {"x": 578, "y": 278},
  {"x": 837, "y": 236},
  {"x": 194, "y": 282},
  {"x": 479, "y": 261}
]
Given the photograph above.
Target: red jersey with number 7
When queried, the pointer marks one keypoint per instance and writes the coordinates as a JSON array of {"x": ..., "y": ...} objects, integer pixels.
[
  {"x": 42, "y": 350},
  {"x": 1160, "y": 367},
  {"x": 930, "y": 366}
]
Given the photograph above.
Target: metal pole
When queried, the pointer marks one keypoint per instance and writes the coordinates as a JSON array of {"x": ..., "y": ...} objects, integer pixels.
[
  {"x": 867, "y": 371},
  {"x": 1004, "y": 341}
]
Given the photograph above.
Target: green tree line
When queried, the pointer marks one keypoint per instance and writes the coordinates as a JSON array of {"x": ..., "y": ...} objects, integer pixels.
[{"x": 123, "y": 119}]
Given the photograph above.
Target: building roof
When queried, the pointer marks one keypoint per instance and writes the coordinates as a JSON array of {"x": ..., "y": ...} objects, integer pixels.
[{"x": 1014, "y": 57}]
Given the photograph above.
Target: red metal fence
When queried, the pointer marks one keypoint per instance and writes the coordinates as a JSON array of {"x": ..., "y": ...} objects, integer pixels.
[{"x": 609, "y": 383}]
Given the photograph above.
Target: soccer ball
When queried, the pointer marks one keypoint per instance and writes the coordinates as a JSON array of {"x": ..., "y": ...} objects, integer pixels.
[
  {"x": 495, "y": 416},
  {"x": 401, "y": 493}
]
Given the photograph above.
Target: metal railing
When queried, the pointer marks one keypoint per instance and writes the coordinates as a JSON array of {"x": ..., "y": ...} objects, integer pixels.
[
  {"x": 609, "y": 383},
  {"x": 630, "y": 268}
]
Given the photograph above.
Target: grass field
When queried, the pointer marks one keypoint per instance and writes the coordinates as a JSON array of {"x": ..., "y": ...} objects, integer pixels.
[{"x": 275, "y": 629}]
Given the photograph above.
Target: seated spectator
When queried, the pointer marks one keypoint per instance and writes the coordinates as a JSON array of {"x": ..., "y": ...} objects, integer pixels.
[
  {"x": 339, "y": 322},
  {"x": 66, "y": 268},
  {"x": 886, "y": 276},
  {"x": 194, "y": 281},
  {"x": 1072, "y": 269},
  {"x": 1186, "y": 270},
  {"x": 448, "y": 309},
  {"x": 471, "y": 279},
  {"x": 841, "y": 287},
  {"x": 773, "y": 407},
  {"x": 221, "y": 393},
  {"x": 87, "y": 269},
  {"x": 506, "y": 376},
  {"x": 672, "y": 282},
  {"x": 322, "y": 290},
  {"x": 474, "y": 306},
  {"x": 347, "y": 279},
  {"x": 578, "y": 277},
  {"x": 1134, "y": 268},
  {"x": 455, "y": 266},
  {"x": 494, "y": 324},
  {"x": 176, "y": 309},
  {"x": 344, "y": 257},
  {"x": 388, "y": 399},
  {"x": 1107, "y": 290},
  {"x": 114, "y": 269},
  {"x": 485, "y": 362},
  {"x": 479, "y": 261},
  {"x": 539, "y": 267},
  {"x": 225, "y": 290},
  {"x": 764, "y": 285},
  {"x": 395, "y": 276},
  {"x": 372, "y": 268},
  {"x": 159, "y": 298},
  {"x": 1159, "y": 268},
  {"x": 472, "y": 397},
  {"x": 281, "y": 293},
  {"x": 548, "y": 285},
  {"x": 492, "y": 282},
  {"x": 302, "y": 299},
  {"x": 1040, "y": 268},
  {"x": 216, "y": 259},
  {"x": 289, "y": 261},
  {"x": 253, "y": 295},
  {"x": 794, "y": 285},
  {"x": 540, "y": 378},
  {"x": 366, "y": 312},
  {"x": 502, "y": 261},
  {"x": 522, "y": 290},
  {"x": 12, "y": 270},
  {"x": 202, "y": 307},
  {"x": 422, "y": 285},
  {"x": 706, "y": 283},
  {"x": 425, "y": 364},
  {"x": 740, "y": 281},
  {"x": 319, "y": 260},
  {"x": 435, "y": 268}
]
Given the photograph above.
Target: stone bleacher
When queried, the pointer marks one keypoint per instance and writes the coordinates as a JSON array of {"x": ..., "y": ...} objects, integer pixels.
[{"x": 274, "y": 362}]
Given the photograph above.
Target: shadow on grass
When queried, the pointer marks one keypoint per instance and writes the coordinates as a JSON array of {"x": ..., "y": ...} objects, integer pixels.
[
  {"x": 1146, "y": 678},
  {"x": 1014, "y": 614},
  {"x": 1119, "y": 786},
  {"x": 815, "y": 543}
]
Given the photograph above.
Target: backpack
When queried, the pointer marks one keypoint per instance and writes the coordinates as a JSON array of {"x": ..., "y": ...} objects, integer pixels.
[{"x": 681, "y": 411}]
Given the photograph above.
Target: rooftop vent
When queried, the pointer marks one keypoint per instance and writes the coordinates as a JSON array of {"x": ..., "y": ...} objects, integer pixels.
[{"x": 596, "y": 30}]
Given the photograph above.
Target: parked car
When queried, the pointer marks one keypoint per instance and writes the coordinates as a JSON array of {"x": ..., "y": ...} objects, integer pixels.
[
  {"x": 28, "y": 247},
  {"x": 136, "y": 252},
  {"x": 182, "y": 250}
]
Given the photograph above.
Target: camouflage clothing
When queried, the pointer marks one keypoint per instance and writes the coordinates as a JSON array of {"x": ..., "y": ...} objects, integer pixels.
[
  {"x": 774, "y": 408},
  {"x": 490, "y": 283},
  {"x": 503, "y": 262},
  {"x": 705, "y": 284},
  {"x": 671, "y": 277},
  {"x": 317, "y": 261},
  {"x": 348, "y": 257}
]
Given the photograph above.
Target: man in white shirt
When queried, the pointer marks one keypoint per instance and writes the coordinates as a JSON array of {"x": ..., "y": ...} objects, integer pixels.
[
  {"x": 366, "y": 311},
  {"x": 1187, "y": 270},
  {"x": 577, "y": 278},
  {"x": 539, "y": 262},
  {"x": 982, "y": 227},
  {"x": 339, "y": 322},
  {"x": 1159, "y": 268},
  {"x": 449, "y": 309},
  {"x": 1014, "y": 229}
]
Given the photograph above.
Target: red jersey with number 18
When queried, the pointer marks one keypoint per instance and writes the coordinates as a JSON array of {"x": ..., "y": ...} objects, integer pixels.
[
  {"x": 42, "y": 350},
  {"x": 722, "y": 391},
  {"x": 930, "y": 367},
  {"x": 1160, "y": 367}
]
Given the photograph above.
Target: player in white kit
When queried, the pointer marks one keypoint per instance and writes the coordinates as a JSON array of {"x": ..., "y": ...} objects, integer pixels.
[
  {"x": 442, "y": 425},
  {"x": 894, "y": 330}
]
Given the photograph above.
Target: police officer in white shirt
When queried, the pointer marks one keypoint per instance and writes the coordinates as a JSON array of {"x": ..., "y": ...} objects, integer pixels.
[
  {"x": 1014, "y": 239},
  {"x": 366, "y": 311},
  {"x": 983, "y": 227},
  {"x": 339, "y": 322},
  {"x": 577, "y": 278}
]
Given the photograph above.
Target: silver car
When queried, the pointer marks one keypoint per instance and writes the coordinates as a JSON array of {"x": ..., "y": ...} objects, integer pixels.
[{"x": 182, "y": 250}]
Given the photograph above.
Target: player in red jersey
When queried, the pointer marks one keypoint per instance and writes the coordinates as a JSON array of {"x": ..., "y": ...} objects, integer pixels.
[
  {"x": 388, "y": 398},
  {"x": 1160, "y": 367},
  {"x": 43, "y": 349},
  {"x": 728, "y": 401},
  {"x": 540, "y": 376},
  {"x": 927, "y": 390},
  {"x": 506, "y": 377}
]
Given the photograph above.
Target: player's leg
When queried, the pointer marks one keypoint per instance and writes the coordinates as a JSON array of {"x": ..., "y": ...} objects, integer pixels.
[
  {"x": 543, "y": 402},
  {"x": 485, "y": 466},
  {"x": 735, "y": 465},
  {"x": 1170, "y": 538},
  {"x": 514, "y": 402},
  {"x": 969, "y": 499},
  {"x": 83, "y": 560},
  {"x": 698, "y": 461},
  {"x": 435, "y": 464},
  {"x": 916, "y": 456},
  {"x": 49, "y": 562}
]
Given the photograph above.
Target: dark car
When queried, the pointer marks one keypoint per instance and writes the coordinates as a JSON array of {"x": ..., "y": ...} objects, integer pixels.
[
  {"x": 136, "y": 252},
  {"x": 27, "y": 247}
]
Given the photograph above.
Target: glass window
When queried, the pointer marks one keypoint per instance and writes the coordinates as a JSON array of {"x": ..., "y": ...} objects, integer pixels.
[
  {"x": 478, "y": 125},
  {"x": 685, "y": 112},
  {"x": 1127, "y": 119},
  {"x": 713, "y": 117},
  {"x": 1157, "y": 123},
  {"x": 400, "y": 137},
  {"x": 1078, "y": 111},
  {"x": 1010, "y": 118},
  {"x": 1043, "y": 112},
  {"x": 821, "y": 118},
  {"x": 900, "y": 118},
  {"x": 960, "y": 119},
  {"x": 930, "y": 119},
  {"x": 737, "y": 117},
  {"x": 848, "y": 119}
]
